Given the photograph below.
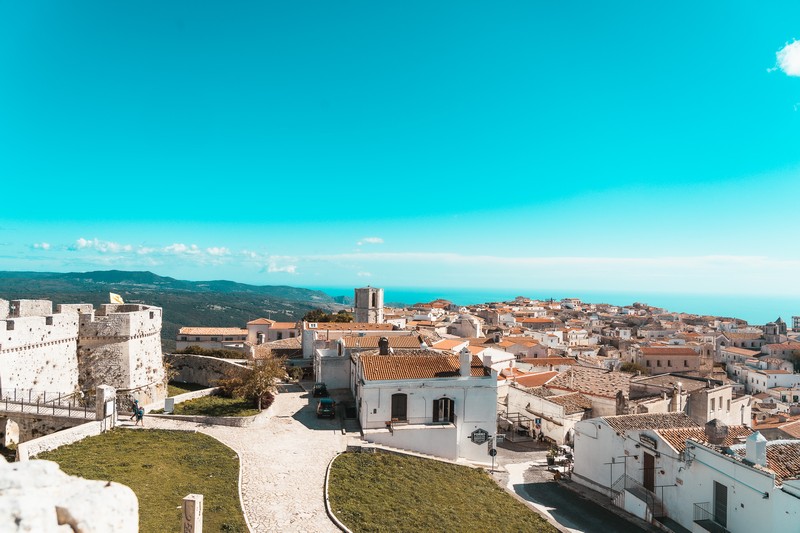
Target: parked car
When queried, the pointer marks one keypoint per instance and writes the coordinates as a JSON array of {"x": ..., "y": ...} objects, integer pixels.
[
  {"x": 320, "y": 390},
  {"x": 326, "y": 408}
]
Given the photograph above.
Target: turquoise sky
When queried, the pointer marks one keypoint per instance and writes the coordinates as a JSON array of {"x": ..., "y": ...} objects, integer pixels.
[{"x": 635, "y": 146}]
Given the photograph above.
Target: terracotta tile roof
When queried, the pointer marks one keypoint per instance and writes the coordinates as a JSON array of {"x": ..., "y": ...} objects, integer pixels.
[
  {"x": 658, "y": 351},
  {"x": 283, "y": 325},
  {"x": 402, "y": 367},
  {"x": 676, "y": 437},
  {"x": 449, "y": 344},
  {"x": 572, "y": 403},
  {"x": 785, "y": 346},
  {"x": 537, "y": 320},
  {"x": 517, "y": 341},
  {"x": 547, "y": 361},
  {"x": 371, "y": 341},
  {"x": 592, "y": 381},
  {"x": 536, "y": 380},
  {"x": 260, "y": 322},
  {"x": 212, "y": 331},
  {"x": 783, "y": 458},
  {"x": 743, "y": 336},
  {"x": 769, "y": 372},
  {"x": 349, "y": 326},
  {"x": 649, "y": 421},
  {"x": 740, "y": 351},
  {"x": 792, "y": 428}
]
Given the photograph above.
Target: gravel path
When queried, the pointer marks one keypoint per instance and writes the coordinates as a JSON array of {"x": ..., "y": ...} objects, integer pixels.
[{"x": 283, "y": 463}]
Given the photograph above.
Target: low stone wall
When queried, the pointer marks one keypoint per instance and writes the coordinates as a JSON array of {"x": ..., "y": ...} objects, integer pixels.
[
  {"x": 34, "y": 447},
  {"x": 32, "y": 426},
  {"x": 200, "y": 369},
  {"x": 233, "y": 421}
]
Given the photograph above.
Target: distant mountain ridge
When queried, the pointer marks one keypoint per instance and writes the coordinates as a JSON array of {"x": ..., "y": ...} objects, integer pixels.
[{"x": 215, "y": 303}]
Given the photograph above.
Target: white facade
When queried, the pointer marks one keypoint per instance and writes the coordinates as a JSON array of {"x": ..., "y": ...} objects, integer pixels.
[{"x": 461, "y": 404}]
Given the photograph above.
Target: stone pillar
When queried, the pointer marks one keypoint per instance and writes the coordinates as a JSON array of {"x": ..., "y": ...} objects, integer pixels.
[
  {"x": 193, "y": 513},
  {"x": 10, "y": 432},
  {"x": 106, "y": 405}
]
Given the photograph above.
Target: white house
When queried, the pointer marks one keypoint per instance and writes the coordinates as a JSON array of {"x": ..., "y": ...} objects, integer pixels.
[
  {"x": 426, "y": 401},
  {"x": 706, "y": 478}
]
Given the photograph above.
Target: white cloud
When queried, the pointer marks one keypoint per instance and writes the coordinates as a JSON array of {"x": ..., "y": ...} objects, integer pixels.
[
  {"x": 370, "y": 240},
  {"x": 789, "y": 59},
  {"x": 41, "y": 245},
  {"x": 218, "y": 251},
  {"x": 281, "y": 263},
  {"x": 101, "y": 246},
  {"x": 273, "y": 267},
  {"x": 180, "y": 248},
  {"x": 364, "y": 274}
]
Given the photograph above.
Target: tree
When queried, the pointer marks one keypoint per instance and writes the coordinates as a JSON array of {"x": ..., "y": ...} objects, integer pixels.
[
  {"x": 341, "y": 316},
  {"x": 254, "y": 383},
  {"x": 316, "y": 315}
]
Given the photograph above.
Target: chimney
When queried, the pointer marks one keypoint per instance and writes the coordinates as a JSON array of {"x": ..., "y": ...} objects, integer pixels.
[
  {"x": 383, "y": 346},
  {"x": 465, "y": 362},
  {"x": 676, "y": 398},
  {"x": 756, "y": 446},
  {"x": 716, "y": 431}
]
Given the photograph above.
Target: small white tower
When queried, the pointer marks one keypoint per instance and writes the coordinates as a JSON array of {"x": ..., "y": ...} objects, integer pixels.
[{"x": 369, "y": 305}]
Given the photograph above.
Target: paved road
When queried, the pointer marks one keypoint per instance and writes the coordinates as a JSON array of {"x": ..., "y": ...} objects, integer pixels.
[
  {"x": 283, "y": 463},
  {"x": 570, "y": 510}
]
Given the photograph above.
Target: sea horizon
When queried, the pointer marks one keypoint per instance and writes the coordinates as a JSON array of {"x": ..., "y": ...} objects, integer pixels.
[{"x": 755, "y": 309}]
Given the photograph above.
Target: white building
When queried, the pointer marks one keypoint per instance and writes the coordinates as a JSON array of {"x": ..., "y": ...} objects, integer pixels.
[
  {"x": 427, "y": 402},
  {"x": 703, "y": 477}
]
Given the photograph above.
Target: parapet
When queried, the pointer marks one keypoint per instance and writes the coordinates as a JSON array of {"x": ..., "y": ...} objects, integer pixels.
[
  {"x": 83, "y": 309},
  {"x": 23, "y": 308},
  {"x": 4, "y": 308}
]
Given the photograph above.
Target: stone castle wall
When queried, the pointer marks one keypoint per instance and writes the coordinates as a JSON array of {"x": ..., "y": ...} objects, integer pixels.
[
  {"x": 38, "y": 352},
  {"x": 80, "y": 348}
]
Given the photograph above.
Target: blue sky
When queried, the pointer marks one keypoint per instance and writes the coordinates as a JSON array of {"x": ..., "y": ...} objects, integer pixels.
[{"x": 632, "y": 146}]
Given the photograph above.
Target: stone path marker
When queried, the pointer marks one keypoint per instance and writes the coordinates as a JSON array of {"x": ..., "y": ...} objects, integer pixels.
[{"x": 193, "y": 513}]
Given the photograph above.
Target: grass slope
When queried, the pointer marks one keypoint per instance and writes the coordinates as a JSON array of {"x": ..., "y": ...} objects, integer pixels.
[
  {"x": 387, "y": 492},
  {"x": 162, "y": 467}
]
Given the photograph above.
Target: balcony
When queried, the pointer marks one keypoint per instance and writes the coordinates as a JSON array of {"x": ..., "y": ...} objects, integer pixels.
[{"x": 704, "y": 518}]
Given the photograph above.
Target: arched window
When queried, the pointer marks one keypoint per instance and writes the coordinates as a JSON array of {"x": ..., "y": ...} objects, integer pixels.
[
  {"x": 399, "y": 406},
  {"x": 443, "y": 410}
]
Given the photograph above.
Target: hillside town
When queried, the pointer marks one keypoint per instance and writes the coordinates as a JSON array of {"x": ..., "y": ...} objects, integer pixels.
[
  {"x": 665, "y": 412},
  {"x": 688, "y": 422}
]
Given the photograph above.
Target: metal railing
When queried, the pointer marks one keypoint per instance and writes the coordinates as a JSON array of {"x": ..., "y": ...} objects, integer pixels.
[
  {"x": 31, "y": 401},
  {"x": 652, "y": 501}
]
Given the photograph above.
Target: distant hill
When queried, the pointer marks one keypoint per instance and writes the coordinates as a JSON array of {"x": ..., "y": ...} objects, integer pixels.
[{"x": 185, "y": 303}]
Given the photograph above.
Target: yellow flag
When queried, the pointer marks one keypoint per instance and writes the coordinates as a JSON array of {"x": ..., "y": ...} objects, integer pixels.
[{"x": 115, "y": 298}]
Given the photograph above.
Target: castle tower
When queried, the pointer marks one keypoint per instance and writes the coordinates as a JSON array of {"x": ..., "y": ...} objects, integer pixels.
[{"x": 369, "y": 305}]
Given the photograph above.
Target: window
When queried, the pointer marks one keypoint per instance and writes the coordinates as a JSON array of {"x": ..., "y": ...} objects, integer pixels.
[
  {"x": 685, "y": 363},
  {"x": 374, "y": 299},
  {"x": 197, "y": 338},
  {"x": 648, "y": 362},
  {"x": 280, "y": 335},
  {"x": 214, "y": 338},
  {"x": 729, "y": 406},
  {"x": 658, "y": 363},
  {"x": 669, "y": 362},
  {"x": 443, "y": 410},
  {"x": 712, "y": 405},
  {"x": 291, "y": 334},
  {"x": 183, "y": 338}
]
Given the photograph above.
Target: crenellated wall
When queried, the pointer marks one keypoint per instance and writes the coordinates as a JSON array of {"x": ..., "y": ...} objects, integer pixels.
[{"x": 80, "y": 348}]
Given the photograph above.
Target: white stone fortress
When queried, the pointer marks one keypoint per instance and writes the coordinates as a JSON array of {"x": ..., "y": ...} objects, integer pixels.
[{"x": 80, "y": 348}]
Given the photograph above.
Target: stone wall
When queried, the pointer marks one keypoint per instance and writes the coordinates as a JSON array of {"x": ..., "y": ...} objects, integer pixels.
[
  {"x": 120, "y": 346},
  {"x": 35, "y": 426},
  {"x": 32, "y": 448},
  {"x": 38, "y": 496},
  {"x": 200, "y": 369},
  {"x": 39, "y": 352}
]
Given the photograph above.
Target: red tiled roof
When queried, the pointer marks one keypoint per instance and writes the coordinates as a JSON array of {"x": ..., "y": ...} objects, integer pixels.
[
  {"x": 572, "y": 403},
  {"x": 649, "y": 421},
  {"x": 371, "y": 341},
  {"x": 401, "y": 367},
  {"x": 260, "y": 321},
  {"x": 547, "y": 361},
  {"x": 536, "y": 380},
  {"x": 676, "y": 437},
  {"x": 212, "y": 331},
  {"x": 348, "y": 326},
  {"x": 650, "y": 351},
  {"x": 592, "y": 381}
]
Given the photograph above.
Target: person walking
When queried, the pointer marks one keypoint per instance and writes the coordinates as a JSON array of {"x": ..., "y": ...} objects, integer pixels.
[
  {"x": 139, "y": 416},
  {"x": 135, "y": 409}
]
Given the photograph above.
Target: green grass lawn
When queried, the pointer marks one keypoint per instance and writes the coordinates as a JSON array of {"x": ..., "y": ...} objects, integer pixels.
[
  {"x": 176, "y": 387},
  {"x": 162, "y": 467},
  {"x": 387, "y": 492},
  {"x": 216, "y": 406}
]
